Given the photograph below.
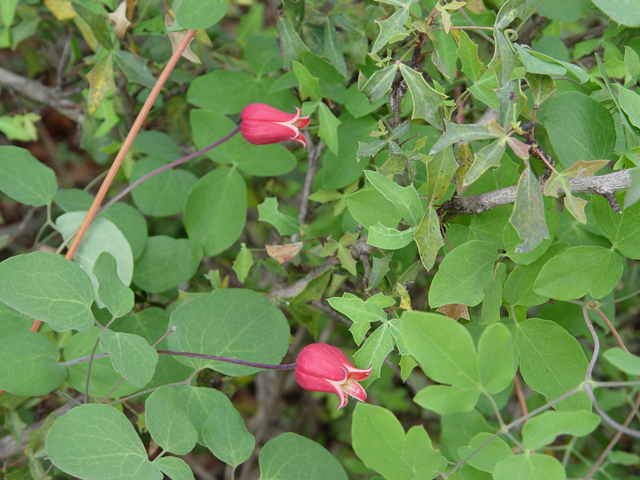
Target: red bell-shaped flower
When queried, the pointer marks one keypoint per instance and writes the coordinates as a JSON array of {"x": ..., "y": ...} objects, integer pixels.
[
  {"x": 263, "y": 124},
  {"x": 324, "y": 368}
]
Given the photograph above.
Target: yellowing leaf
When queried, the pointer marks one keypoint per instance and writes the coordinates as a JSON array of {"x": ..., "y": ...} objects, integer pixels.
[
  {"x": 61, "y": 9},
  {"x": 100, "y": 82}
]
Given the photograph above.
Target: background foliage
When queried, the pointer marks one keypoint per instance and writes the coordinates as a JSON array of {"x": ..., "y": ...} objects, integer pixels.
[{"x": 465, "y": 219}]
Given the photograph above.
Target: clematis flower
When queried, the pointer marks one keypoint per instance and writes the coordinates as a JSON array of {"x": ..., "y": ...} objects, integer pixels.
[
  {"x": 263, "y": 124},
  {"x": 324, "y": 368}
]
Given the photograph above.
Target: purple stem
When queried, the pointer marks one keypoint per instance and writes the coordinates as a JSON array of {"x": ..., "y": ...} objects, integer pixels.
[
  {"x": 166, "y": 167},
  {"x": 286, "y": 366}
]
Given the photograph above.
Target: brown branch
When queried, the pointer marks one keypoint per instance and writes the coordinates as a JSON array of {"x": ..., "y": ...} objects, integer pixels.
[
  {"x": 472, "y": 204},
  {"x": 35, "y": 90},
  {"x": 313, "y": 154}
]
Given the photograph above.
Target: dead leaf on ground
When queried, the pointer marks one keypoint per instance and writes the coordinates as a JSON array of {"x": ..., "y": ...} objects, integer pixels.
[
  {"x": 455, "y": 311},
  {"x": 282, "y": 253}
]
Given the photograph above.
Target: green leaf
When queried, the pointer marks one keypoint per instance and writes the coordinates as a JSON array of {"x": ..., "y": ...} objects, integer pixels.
[
  {"x": 243, "y": 263},
  {"x": 247, "y": 318},
  {"x": 379, "y": 83},
  {"x": 458, "y": 430},
  {"x": 467, "y": 51},
  {"x": 115, "y": 295},
  {"x": 492, "y": 302},
  {"x": 328, "y": 131},
  {"x": 512, "y": 241},
  {"x": 372, "y": 354},
  {"x": 426, "y": 100},
  {"x": 103, "y": 376},
  {"x": 287, "y": 455},
  {"x": 552, "y": 362},
  {"x": 227, "y": 437},
  {"x": 97, "y": 22},
  {"x": 228, "y": 92},
  {"x": 268, "y": 212},
  {"x": 406, "y": 199},
  {"x": 538, "y": 63},
  {"x": 392, "y": 29},
  {"x": 24, "y": 178},
  {"x": 135, "y": 69},
  {"x": 622, "y": 360},
  {"x": 486, "y": 158},
  {"x": 369, "y": 207},
  {"x": 579, "y": 128},
  {"x": 448, "y": 400},
  {"x": 518, "y": 290},
  {"x": 101, "y": 82},
  {"x": 167, "y": 422},
  {"x": 164, "y": 194},
  {"x": 510, "y": 10},
  {"x": 294, "y": 48},
  {"x": 624, "y": 12},
  {"x": 487, "y": 458},
  {"x": 165, "y": 263},
  {"x": 380, "y": 442},
  {"x": 440, "y": 170},
  {"x": 463, "y": 274},
  {"x": 529, "y": 467},
  {"x": 528, "y": 213},
  {"x": 48, "y": 287},
  {"x": 175, "y": 468},
  {"x": 131, "y": 356},
  {"x": 428, "y": 238},
  {"x": 198, "y": 403},
  {"x": 464, "y": 133},
  {"x": 29, "y": 364},
  {"x": 309, "y": 84},
  {"x": 332, "y": 49},
  {"x": 338, "y": 171},
  {"x": 579, "y": 271},
  {"x": 543, "y": 429},
  {"x": 357, "y": 310},
  {"x": 263, "y": 54},
  {"x": 442, "y": 347},
  {"x": 497, "y": 361},
  {"x": 389, "y": 238},
  {"x": 622, "y": 230},
  {"x": 95, "y": 441},
  {"x": 215, "y": 210},
  {"x": 200, "y": 14},
  {"x": 102, "y": 236}
]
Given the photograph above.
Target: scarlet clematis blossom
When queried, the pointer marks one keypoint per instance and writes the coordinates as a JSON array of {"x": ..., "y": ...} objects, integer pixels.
[
  {"x": 263, "y": 124},
  {"x": 324, "y": 368}
]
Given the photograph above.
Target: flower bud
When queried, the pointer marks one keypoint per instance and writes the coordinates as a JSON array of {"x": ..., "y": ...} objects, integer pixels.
[
  {"x": 263, "y": 124},
  {"x": 324, "y": 368}
]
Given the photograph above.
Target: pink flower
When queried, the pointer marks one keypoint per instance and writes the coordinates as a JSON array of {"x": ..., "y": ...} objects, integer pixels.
[
  {"x": 263, "y": 124},
  {"x": 324, "y": 368}
]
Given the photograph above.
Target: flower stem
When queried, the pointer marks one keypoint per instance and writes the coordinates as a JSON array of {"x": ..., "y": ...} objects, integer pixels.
[
  {"x": 167, "y": 167},
  {"x": 267, "y": 366}
]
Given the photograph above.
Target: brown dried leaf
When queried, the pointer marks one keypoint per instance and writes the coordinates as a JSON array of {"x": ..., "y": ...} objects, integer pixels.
[
  {"x": 455, "y": 311},
  {"x": 118, "y": 19},
  {"x": 521, "y": 149},
  {"x": 282, "y": 253},
  {"x": 176, "y": 38}
]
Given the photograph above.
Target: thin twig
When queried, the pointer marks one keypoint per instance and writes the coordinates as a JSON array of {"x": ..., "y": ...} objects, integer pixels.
[
  {"x": 520, "y": 395},
  {"x": 313, "y": 154},
  {"x": 123, "y": 150}
]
